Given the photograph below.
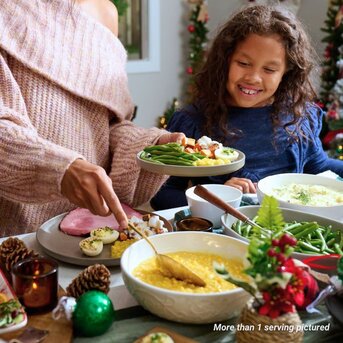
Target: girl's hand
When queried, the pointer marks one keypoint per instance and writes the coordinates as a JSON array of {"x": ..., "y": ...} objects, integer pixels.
[
  {"x": 87, "y": 185},
  {"x": 244, "y": 185},
  {"x": 171, "y": 137}
]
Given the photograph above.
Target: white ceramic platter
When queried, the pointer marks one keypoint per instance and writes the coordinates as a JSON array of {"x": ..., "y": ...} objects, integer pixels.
[{"x": 190, "y": 171}]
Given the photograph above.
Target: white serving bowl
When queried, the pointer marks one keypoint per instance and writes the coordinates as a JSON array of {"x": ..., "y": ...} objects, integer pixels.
[
  {"x": 202, "y": 208},
  {"x": 289, "y": 215},
  {"x": 266, "y": 185},
  {"x": 178, "y": 306}
]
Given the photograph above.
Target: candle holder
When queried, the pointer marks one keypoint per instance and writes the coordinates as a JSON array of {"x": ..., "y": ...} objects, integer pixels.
[{"x": 35, "y": 281}]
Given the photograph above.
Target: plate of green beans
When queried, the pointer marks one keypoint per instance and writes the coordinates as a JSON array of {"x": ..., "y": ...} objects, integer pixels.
[
  {"x": 167, "y": 159},
  {"x": 315, "y": 235}
]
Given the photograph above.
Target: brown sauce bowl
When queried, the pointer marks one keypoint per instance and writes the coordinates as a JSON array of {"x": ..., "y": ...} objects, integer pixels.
[{"x": 194, "y": 224}]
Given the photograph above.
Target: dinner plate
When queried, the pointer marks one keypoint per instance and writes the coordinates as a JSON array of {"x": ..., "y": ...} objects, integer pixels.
[
  {"x": 7, "y": 290},
  {"x": 65, "y": 247},
  {"x": 192, "y": 171}
]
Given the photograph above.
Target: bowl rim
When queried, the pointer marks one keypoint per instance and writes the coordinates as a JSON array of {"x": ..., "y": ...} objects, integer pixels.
[
  {"x": 178, "y": 293},
  {"x": 268, "y": 178},
  {"x": 190, "y": 192}
]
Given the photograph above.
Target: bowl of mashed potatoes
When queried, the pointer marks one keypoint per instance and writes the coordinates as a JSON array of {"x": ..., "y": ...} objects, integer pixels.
[
  {"x": 306, "y": 193},
  {"x": 178, "y": 300}
]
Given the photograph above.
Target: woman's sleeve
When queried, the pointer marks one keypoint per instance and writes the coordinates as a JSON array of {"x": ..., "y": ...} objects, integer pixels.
[
  {"x": 133, "y": 185},
  {"x": 316, "y": 160},
  {"x": 31, "y": 168}
]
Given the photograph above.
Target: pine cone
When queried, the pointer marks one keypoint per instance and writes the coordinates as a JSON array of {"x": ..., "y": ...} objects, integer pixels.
[
  {"x": 8, "y": 246},
  {"x": 17, "y": 255},
  {"x": 95, "y": 277}
]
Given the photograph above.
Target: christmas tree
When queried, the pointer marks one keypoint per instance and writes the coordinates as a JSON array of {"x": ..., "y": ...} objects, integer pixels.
[
  {"x": 197, "y": 29},
  {"x": 332, "y": 77},
  {"x": 197, "y": 41}
]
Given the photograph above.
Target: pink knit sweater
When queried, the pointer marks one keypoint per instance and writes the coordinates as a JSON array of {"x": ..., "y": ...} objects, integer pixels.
[{"x": 63, "y": 96}]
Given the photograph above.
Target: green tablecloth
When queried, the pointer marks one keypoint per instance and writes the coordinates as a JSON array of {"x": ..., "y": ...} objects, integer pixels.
[{"x": 133, "y": 322}]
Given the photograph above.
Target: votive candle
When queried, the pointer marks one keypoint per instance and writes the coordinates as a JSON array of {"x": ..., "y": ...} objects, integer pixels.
[{"x": 35, "y": 282}]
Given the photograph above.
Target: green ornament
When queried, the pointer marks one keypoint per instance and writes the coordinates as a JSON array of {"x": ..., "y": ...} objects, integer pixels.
[{"x": 93, "y": 314}]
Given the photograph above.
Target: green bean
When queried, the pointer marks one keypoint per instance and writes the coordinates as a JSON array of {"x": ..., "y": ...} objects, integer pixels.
[
  {"x": 308, "y": 246},
  {"x": 315, "y": 242},
  {"x": 238, "y": 227},
  {"x": 301, "y": 228},
  {"x": 331, "y": 242},
  {"x": 308, "y": 228},
  {"x": 337, "y": 249},
  {"x": 168, "y": 146},
  {"x": 323, "y": 246},
  {"x": 292, "y": 226},
  {"x": 327, "y": 232}
]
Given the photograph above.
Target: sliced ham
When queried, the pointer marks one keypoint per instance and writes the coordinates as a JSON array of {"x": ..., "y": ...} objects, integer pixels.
[{"x": 81, "y": 221}]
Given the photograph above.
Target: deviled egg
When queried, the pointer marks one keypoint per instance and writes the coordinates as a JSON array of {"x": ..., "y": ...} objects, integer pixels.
[
  {"x": 226, "y": 154},
  {"x": 91, "y": 246},
  {"x": 106, "y": 234}
]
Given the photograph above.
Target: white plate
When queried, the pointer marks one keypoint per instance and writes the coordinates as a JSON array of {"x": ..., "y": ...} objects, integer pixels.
[
  {"x": 65, "y": 247},
  {"x": 7, "y": 290},
  {"x": 196, "y": 171}
]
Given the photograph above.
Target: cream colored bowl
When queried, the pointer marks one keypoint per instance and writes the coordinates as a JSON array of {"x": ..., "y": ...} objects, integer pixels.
[
  {"x": 266, "y": 185},
  {"x": 202, "y": 208},
  {"x": 178, "y": 306}
]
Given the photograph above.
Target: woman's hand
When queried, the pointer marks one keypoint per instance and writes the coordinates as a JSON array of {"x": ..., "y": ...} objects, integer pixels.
[
  {"x": 87, "y": 185},
  {"x": 244, "y": 185},
  {"x": 171, "y": 137}
]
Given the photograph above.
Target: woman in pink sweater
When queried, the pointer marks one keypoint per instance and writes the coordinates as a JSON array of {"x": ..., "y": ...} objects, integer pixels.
[{"x": 66, "y": 138}]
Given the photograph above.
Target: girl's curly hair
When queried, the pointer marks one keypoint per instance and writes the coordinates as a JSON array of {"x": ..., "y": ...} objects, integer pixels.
[{"x": 295, "y": 89}]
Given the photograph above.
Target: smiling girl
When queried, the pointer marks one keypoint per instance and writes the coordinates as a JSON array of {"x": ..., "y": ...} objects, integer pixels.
[{"x": 254, "y": 93}]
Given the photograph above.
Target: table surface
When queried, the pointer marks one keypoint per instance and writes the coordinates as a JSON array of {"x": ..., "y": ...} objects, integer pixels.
[{"x": 132, "y": 321}]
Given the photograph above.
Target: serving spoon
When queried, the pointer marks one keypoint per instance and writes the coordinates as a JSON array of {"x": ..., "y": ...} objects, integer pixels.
[
  {"x": 170, "y": 267},
  {"x": 204, "y": 193}
]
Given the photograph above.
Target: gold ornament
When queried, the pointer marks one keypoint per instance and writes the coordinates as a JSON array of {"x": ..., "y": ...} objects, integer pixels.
[
  {"x": 195, "y": 2},
  {"x": 339, "y": 17},
  {"x": 203, "y": 13}
]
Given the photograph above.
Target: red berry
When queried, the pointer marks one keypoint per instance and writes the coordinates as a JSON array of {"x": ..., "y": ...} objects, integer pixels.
[
  {"x": 287, "y": 240},
  {"x": 275, "y": 242},
  {"x": 281, "y": 257},
  {"x": 271, "y": 252}
]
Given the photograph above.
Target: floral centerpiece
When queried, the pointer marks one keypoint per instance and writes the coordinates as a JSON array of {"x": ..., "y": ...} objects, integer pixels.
[{"x": 278, "y": 283}]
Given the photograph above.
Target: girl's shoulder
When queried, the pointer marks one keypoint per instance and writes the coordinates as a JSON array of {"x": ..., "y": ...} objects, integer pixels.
[
  {"x": 314, "y": 113},
  {"x": 191, "y": 114},
  {"x": 312, "y": 120},
  {"x": 189, "y": 117}
]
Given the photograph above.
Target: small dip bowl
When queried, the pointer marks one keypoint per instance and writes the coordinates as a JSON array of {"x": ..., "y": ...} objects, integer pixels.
[{"x": 194, "y": 224}]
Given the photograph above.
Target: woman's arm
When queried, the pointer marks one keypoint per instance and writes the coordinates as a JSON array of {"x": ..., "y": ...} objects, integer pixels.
[
  {"x": 132, "y": 184},
  {"x": 31, "y": 167}
]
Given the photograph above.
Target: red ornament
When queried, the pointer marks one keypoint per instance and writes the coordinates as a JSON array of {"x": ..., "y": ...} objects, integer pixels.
[
  {"x": 191, "y": 28},
  {"x": 189, "y": 70},
  {"x": 311, "y": 289},
  {"x": 320, "y": 104}
]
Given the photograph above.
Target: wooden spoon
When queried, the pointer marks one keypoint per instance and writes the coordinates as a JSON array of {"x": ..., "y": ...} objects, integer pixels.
[
  {"x": 171, "y": 268},
  {"x": 204, "y": 193}
]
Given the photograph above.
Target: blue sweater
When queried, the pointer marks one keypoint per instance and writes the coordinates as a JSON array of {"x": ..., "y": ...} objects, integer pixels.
[{"x": 267, "y": 152}]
